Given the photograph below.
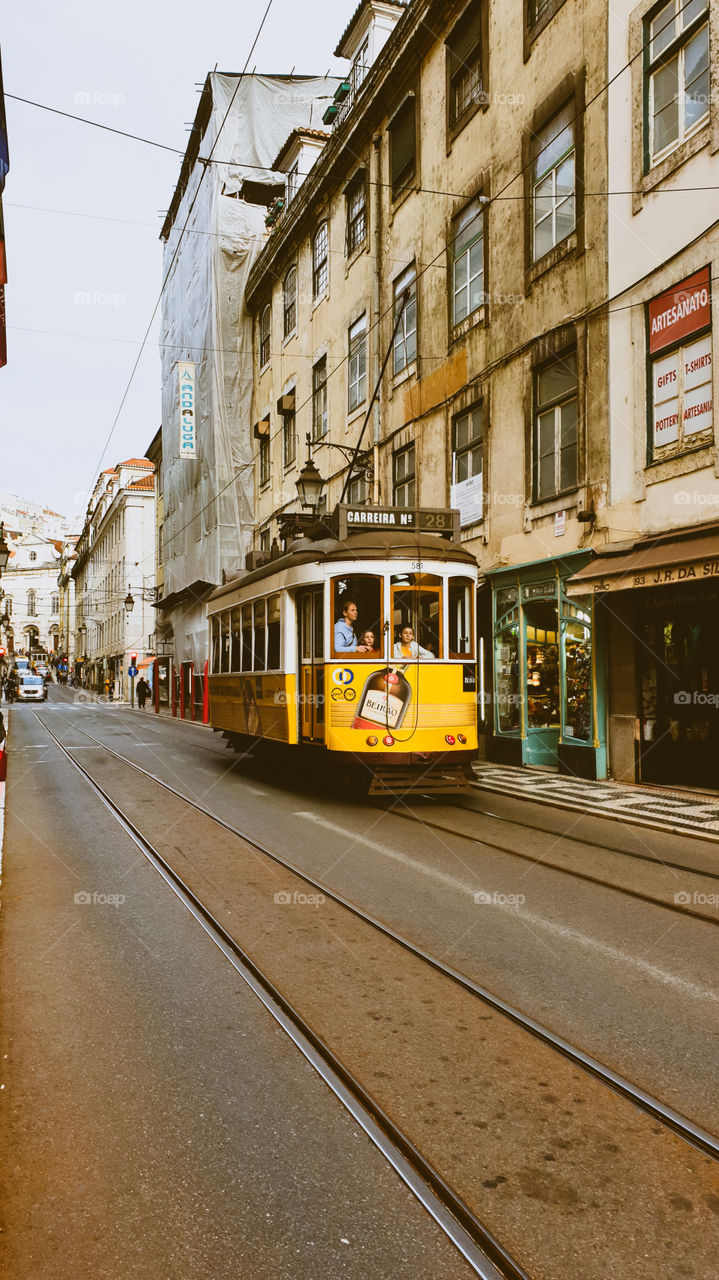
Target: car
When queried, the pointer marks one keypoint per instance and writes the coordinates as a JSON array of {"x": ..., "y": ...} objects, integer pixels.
[
  {"x": 42, "y": 668},
  {"x": 21, "y": 664},
  {"x": 31, "y": 687}
]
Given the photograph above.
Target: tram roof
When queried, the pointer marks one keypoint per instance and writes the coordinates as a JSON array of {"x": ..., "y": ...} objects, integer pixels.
[{"x": 381, "y": 545}]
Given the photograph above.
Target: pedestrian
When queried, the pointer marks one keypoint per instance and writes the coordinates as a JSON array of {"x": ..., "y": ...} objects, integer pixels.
[{"x": 143, "y": 691}]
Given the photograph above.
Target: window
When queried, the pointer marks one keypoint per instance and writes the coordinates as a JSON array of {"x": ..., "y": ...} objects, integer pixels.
[
  {"x": 225, "y": 642},
  {"x": 358, "y": 491},
  {"x": 553, "y": 182},
  {"x": 464, "y": 49},
  {"x": 8, "y": 606},
  {"x": 265, "y": 540},
  {"x": 260, "y": 634},
  {"x": 33, "y": 555},
  {"x": 467, "y": 253},
  {"x": 461, "y": 614},
  {"x": 467, "y": 493},
  {"x": 403, "y": 477},
  {"x": 405, "y": 339},
  {"x": 160, "y": 543},
  {"x": 555, "y": 389},
  {"x": 680, "y": 355},
  {"x": 289, "y": 302},
  {"x": 31, "y": 604},
  {"x": 293, "y": 181},
  {"x": 54, "y": 604},
  {"x": 320, "y": 260},
  {"x": 289, "y": 439},
  {"x": 357, "y": 367},
  {"x": 357, "y": 616},
  {"x": 356, "y": 213},
  {"x": 417, "y": 603},
  {"x": 319, "y": 399},
  {"x": 677, "y": 73},
  {"x": 246, "y": 637},
  {"x": 403, "y": 146},
  {"x": 274, "y": 659},
  {"x": 265, "y": 460},
  {"x": 359, "y": 67},
  {"x": 265, "y": 335}
]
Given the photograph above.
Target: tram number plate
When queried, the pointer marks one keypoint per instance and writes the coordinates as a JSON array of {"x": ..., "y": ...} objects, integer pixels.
[{"x": 469, "y": 677}]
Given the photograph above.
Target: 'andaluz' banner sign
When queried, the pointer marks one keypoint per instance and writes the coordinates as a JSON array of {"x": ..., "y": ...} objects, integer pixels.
[{"x": 186, "y": 375}]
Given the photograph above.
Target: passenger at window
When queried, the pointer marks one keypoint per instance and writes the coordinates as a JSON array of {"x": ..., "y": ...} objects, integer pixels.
[
  {"x": 345, "y": 638},
  {"x": 408, "y": 647},
  {"x": 368, "y": 642}
]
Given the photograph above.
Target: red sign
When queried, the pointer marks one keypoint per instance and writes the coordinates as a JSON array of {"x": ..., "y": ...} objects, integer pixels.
[{"x": 680, "y": 311}]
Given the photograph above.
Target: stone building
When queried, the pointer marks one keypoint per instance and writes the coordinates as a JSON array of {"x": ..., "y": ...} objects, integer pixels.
[
  {"x": 115, "y": 560},
  {"x": 445, "y": 229},
  {"x": 31, "y": 600}
]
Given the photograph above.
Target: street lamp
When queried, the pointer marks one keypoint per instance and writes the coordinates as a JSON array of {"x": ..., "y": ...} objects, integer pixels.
[
  {"x": 310, "y": 483},
  {"x": 129, "y": 600}
]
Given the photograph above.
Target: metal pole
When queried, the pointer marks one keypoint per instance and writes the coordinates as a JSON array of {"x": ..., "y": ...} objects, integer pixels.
[{"x": 132, "y": 691}]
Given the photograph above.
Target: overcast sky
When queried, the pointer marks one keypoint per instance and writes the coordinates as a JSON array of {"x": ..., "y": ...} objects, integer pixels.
[{"x": 81, "y": 210}]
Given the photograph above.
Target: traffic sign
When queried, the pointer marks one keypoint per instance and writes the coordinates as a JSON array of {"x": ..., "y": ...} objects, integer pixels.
[{"x": 132, "y": 671}]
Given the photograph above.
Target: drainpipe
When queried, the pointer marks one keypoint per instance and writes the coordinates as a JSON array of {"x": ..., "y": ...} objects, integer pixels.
[{"x": 376, "y": 306}]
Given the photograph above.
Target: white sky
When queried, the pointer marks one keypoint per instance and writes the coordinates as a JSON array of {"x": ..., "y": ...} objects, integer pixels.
[{"x": 84, "y": 263}]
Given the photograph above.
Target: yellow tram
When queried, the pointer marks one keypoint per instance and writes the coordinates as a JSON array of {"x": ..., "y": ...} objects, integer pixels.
[{"x": 362, "y": 645}]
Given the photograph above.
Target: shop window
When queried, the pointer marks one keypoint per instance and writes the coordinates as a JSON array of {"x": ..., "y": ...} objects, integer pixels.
[
  {"x": 216, "y": 643},
  {"x": 274, "y": 658},
  {"x": 577, "y": 641},
  {"x": 466, "y": 493},
  {"x": 265, "y": 335},
  {"x": 681, "y": 410},
  {"x": 289, "y": 302},
  {"x": 555, "y": 443},
  {"x": 357, "y": 367},
  {"x": 405, "y": 339},
  {"x": 416, "y": 604},
  {"x": 236, "y": 640},
  {"x": 320, "y": 261},
  {"x": 677, "y": 85},
  {"x": 357, "y": 616},
  {"x": 467, "y": 255},
  {"x": 403, "y": 477},
  {"x": 265, "y": 460},
  {"x": 225, "y": 642},
  {"x": 319, "y": 399},
  {"x": 464, "y": 66},
  {"x": 356, "y": 213},
  {"x": 553, "y": 182},
  {"x": 542, "y": 664},
  {"x": 247, "y": 637},
  {"x": 506, "y": 660},
  {"x": 403, "y": 146},
  {"x": 259, "y": 614},
  {"x": 460, "y": 608}
]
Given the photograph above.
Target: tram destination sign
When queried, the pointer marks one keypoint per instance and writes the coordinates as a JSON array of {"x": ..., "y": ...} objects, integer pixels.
[{"x": 402, "y": 519}]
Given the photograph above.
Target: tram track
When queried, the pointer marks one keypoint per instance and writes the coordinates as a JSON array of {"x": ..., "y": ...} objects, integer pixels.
[{"x": 695, "y": 1135}]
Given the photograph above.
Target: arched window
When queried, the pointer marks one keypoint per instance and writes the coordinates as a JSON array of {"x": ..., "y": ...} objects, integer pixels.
[
  {"x": 265, "y": 334},
  {"x": 290, "y": 301},
  {"x": 320, "y": 260},
  {"x": 33, "y": 555},
  {"x": 31, "y": 604}
]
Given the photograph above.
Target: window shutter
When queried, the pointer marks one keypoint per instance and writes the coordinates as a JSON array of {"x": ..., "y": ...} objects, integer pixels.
[
  {"x": 403, "y": 141},
  {"x": 465, "y": 38}
]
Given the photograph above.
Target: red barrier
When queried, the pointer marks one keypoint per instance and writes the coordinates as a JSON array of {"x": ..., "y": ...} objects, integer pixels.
[{"x": 205, "y": 696}]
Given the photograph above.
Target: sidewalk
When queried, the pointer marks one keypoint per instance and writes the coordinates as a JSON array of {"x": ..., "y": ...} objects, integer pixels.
[{"x": 666, "y": 810}]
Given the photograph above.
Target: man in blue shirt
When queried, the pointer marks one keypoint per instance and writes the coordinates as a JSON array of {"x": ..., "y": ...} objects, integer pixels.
[{"x": 345, "y": 638}]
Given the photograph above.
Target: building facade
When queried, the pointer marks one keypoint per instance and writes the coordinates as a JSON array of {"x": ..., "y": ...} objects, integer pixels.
[
  {"x": 115, "y": 561},
  {"x": 442, "y": 253},
  {"x": 31, "y": 601}
]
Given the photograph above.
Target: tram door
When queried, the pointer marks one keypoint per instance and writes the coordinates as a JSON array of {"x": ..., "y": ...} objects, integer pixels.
[{"x": 310, "y": 613}]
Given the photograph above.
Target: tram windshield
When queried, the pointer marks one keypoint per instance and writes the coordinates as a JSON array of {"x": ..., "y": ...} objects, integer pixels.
[
  {"x": 417, "y": 606},
  {"x": 357, "y": 616}
]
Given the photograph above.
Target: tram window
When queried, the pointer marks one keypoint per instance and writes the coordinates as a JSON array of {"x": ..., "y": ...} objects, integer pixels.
[
  {"x": 417, "y": 603},
  {"x": 259, "y": 664},
  {"x": 225, "y": 642},
  {"x": 461, "y": 618},
  {"x": 318, "y": 632},
  {"x": 235, "y": 640},
  {"x": 274, "y": 661},
  {"x": 215, "y": 643},
  {"x": 350, "y": 626},
  {"x": 247, "y": 637}
]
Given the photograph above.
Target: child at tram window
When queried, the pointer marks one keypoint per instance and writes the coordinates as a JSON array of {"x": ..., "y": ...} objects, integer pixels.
[
  {"x": 368, "y": 642},
  {"x": 407, "y": 647}
]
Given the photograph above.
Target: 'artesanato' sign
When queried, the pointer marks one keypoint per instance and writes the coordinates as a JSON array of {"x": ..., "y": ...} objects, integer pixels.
[{"x": 186, "y": 375}]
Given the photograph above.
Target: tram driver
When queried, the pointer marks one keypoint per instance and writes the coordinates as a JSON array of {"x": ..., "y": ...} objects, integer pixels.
[
  {"x": 408, "y": 647},
  {"x": 345, "y": 638}
]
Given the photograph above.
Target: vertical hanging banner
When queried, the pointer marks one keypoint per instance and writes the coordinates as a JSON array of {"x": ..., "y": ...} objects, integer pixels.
[{"x": 188, "y": 441}]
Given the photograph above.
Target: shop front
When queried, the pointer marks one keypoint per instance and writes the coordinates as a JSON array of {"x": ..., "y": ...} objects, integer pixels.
[
  {"x": 548, "y": 702},
  {"x": 660, "y": 599}
]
